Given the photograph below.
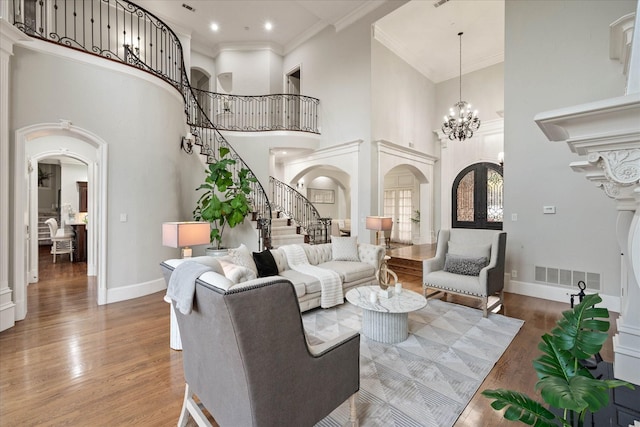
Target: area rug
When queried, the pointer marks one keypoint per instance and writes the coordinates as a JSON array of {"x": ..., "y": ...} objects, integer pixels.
[{"x": 426, "y": 380}]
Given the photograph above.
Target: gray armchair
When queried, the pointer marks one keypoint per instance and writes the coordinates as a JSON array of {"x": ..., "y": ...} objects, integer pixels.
[
  {"x": 468, "y": 262},
  {"x": 247, "y": 360}
]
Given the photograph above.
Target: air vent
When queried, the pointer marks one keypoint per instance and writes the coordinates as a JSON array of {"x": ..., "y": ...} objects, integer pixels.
[
  {"x": 189, "y": 8},
  {"x": 439, "y": 3},
  {"x": 570, "y": 278}
]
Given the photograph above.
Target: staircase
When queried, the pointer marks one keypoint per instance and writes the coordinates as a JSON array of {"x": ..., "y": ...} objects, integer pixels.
[{"x": 284, "y": 231}]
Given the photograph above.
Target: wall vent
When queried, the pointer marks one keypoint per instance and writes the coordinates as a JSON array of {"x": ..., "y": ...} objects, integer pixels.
[
  {"x": 559, "y": 276},
  {"x": 189, "y": 8}
]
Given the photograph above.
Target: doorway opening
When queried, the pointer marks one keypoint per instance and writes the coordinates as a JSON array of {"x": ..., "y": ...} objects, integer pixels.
[
  {"x": 293, "y": 87},
  {"x": 477, "y": 197}
]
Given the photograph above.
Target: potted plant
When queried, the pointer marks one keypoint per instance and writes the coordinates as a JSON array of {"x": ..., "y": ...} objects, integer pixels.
[
  {"x": 565, "y": 384},
  {"x": 415, "y": 227},
  {"x": 225, "y": 200}
]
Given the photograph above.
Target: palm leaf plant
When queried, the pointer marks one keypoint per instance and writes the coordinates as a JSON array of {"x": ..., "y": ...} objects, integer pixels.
[
  {"x": 563, "y": 381},
  {"x": 225, "y": 200}
]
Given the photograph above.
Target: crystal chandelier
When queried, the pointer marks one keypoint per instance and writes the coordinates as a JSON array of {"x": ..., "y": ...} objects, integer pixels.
[{"x": 461, "y": 121}]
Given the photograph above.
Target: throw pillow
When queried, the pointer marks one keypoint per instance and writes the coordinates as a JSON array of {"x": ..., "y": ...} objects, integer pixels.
[
  {"x": 237, "y": 273},
  {"x": 457, "y": 248},
  {"x": 265, "y": 263},
  {"x": 242, "y": 256},
  {"x": 465, "y": 265},
  {"x": 344, "y": 248}
]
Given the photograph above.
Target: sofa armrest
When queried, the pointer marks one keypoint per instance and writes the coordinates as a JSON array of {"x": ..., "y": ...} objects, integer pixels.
[
  {"x": 371, "y": 254},
  {"x": 432, "y": 264}
]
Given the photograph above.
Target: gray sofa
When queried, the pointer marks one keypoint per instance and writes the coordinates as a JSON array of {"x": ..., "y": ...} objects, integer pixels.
[{"x": 237, "y": 269}]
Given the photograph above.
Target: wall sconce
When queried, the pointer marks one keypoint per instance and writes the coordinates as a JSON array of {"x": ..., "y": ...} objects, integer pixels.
[
  {"x": 501, "y": 158},
  {"x": 185, "y": 234},
  {"x": 186, "y": 143},
  {"x": 300, "y": 184}
]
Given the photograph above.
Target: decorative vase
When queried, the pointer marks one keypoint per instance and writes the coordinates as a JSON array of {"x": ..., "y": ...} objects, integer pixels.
[{"x": 216, "y": 252}]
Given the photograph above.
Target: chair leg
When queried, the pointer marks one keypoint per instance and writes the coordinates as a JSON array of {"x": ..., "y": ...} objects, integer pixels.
[
  {"x": 485, "y": 303},
  {"x": 190, "y": 407},
  {"x": 353, "y": 417}
]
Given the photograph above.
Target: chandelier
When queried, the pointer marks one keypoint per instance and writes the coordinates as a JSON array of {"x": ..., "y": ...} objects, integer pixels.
[{"x": 461, "y": 121}]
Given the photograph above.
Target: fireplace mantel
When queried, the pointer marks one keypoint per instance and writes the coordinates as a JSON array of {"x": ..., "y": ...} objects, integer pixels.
[{"x": 606, "y": 134}]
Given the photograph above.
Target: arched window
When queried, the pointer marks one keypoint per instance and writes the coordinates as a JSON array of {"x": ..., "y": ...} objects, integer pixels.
[{"x": 477, "y": 197}]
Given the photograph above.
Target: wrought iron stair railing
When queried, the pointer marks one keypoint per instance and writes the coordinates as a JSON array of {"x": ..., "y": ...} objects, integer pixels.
[
  {"x": 297, "y": 207},
  {"x": 122, "y": 31}
]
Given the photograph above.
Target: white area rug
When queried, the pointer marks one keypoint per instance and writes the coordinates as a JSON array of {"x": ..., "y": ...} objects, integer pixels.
[{"x": 426, "y": 380}]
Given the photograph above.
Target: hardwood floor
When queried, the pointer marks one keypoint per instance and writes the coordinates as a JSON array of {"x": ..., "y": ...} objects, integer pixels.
[{"x": 72, "y": 362}]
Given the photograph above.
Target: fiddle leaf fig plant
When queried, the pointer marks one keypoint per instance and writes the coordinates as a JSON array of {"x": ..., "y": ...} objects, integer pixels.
[
  {"x": 563, "y": 381},
  {"x": 225, "y": 200}
]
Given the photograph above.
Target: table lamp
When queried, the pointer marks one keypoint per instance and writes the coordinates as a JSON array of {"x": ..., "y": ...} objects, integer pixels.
[
  {"x": 185, "y": 234},
  {"x": 379, "y": 223}
]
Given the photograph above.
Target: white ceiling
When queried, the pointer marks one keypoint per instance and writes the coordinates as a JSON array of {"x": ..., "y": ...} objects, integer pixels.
[{"x": 421, "y": 34}]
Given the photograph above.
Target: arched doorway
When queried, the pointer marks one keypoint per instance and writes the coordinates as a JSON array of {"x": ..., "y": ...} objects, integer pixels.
[
  {"x": 46, "y": 140},
  {"x": 477, "y": 197}
]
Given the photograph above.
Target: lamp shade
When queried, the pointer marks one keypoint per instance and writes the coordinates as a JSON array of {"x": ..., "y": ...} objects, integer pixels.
[
  {"x": 379, "y": 223},
  {"x": 181, "y": 234}
]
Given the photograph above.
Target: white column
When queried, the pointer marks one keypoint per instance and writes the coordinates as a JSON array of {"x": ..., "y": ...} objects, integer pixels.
[{"x": 8, "y": 37}]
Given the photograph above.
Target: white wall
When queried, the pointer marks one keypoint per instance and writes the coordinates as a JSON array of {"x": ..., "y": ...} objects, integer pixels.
[
  {"x": 142, "y": 123},
  {"x": 483, "y": 88},
  {"x": 251, "y": 70},
  {"x": 557, "y": 55},
  {"x": 206, "y": 64},
  {"x": 71, "y": 173},
  {"x": 403, "y": 102},
  {"x": 336, "y": 68}
]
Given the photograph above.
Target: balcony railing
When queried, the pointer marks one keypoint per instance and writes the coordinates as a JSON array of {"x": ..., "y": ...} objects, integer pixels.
[
  {"x": 288, "y": 200},
  {"x": 261, "y": 112}
]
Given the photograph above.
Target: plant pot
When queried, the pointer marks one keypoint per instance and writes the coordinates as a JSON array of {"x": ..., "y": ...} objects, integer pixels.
[{"x": 216, "y": 252}]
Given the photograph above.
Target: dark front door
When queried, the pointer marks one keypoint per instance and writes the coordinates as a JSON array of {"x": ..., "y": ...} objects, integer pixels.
[{"x": 477, "y": 197}]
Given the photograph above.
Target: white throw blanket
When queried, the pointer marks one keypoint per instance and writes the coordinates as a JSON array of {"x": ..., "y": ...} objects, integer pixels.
[
  {"x": 182, "y": 284},
  {"x": 330, "y": 282}
]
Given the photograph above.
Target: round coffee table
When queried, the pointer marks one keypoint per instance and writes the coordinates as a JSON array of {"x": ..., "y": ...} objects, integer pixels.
[{"x": 386, "y": 320}]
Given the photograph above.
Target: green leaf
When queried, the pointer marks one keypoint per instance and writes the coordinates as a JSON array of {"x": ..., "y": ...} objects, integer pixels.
[
  {"x": 580, "y": 331},
  {"x": 520, "y": 407}
]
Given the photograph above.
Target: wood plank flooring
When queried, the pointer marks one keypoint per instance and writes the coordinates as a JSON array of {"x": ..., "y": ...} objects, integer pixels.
[{"x": 74, "y": 363}]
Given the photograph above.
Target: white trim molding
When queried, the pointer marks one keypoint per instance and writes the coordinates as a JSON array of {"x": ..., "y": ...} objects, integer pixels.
[
  {"x": 82, "y": 145},
  {"x": 607, "y": 134},
  {"x": 390, "y": 156}
]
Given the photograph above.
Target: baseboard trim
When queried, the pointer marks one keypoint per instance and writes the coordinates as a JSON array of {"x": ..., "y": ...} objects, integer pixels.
[
  {"x": 123, "y": 293},
  {"x": 556, "y": 293}
]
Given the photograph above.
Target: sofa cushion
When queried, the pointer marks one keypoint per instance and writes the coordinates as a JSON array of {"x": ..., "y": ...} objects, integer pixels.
[
  {"x": 242, "y": 256},
  {"x": 455, "y": 282},
  {"x": 350, "y": 271},
  {"x": 310, "y": 283},
  {"x": 317, "y": 254},
  {"x": 466, "y": 265},
  {"x": 265, "y": 263},
  {"x": 344, "y": 248}
]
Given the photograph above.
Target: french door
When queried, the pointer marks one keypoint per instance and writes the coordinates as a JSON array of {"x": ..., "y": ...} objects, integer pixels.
[
  {"x": 477, "y": 197},
  {"x": 398, "y": 204}
]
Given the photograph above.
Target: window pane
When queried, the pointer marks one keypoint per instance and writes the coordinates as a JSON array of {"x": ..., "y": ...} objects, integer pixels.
[
  {"x": 464, "y": 211},
  {"x": 494, "y": 196}
]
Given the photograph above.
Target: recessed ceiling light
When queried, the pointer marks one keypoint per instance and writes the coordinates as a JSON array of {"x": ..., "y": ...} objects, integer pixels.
[
  {"x": 214, "y": 26},
  {"x": 284, "y": 152},
  {"x": 268, "y": 26}
]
